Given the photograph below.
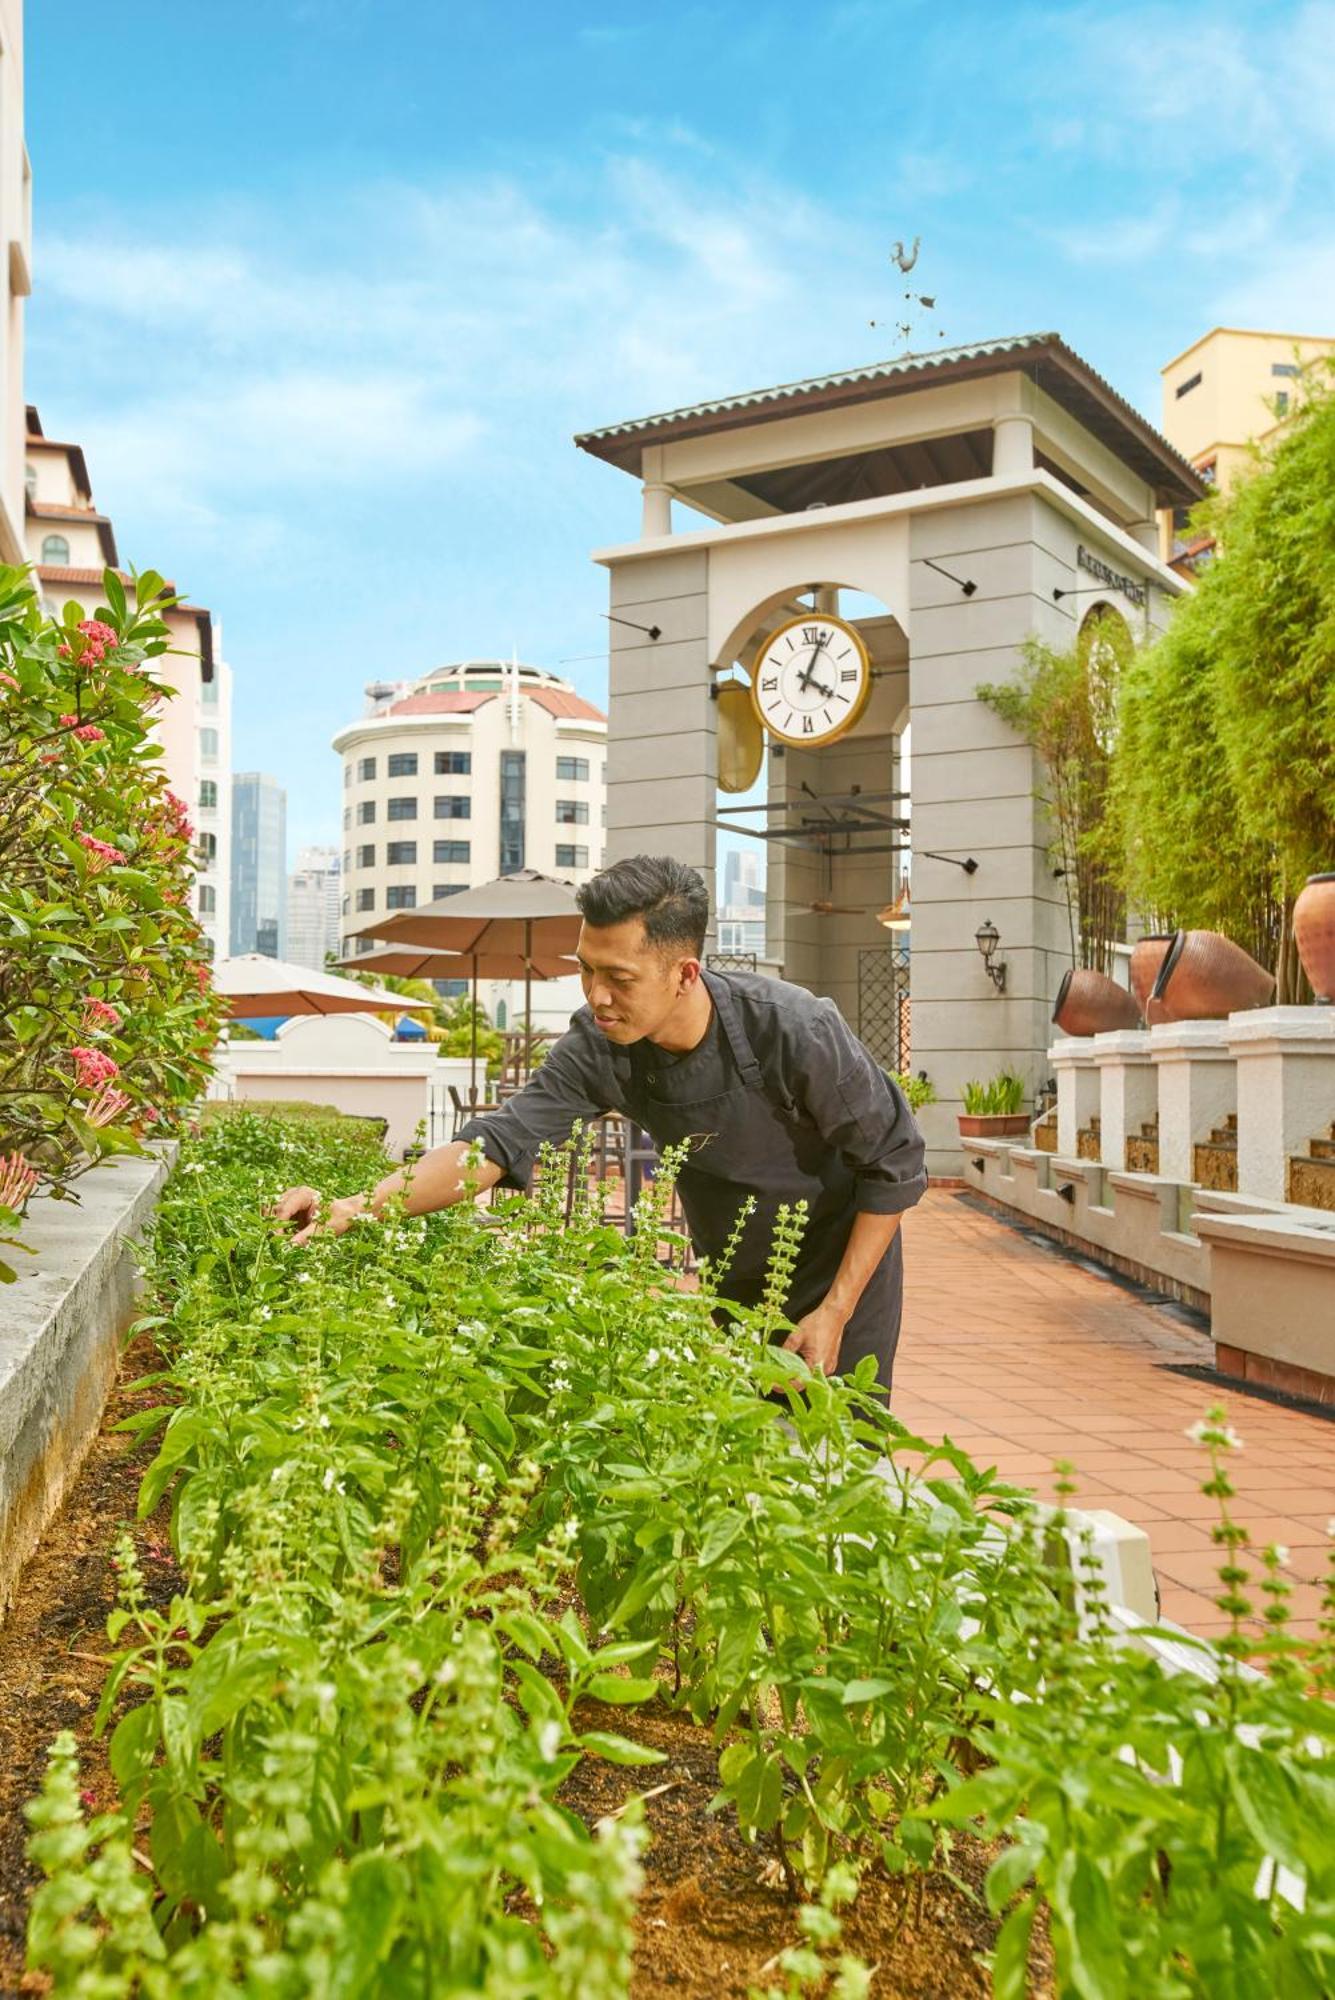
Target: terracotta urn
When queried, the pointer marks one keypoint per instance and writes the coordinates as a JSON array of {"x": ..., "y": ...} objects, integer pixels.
[
  {"x": 1314, "y": 935},
  {"x": 1089, "y": 1003},
  {"x": 1204, "y": 977},
  {"x": 1147, "y": 955}
]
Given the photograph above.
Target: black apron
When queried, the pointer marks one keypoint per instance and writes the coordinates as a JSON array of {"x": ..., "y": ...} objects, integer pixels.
[{"x": 747, "y": 1143}]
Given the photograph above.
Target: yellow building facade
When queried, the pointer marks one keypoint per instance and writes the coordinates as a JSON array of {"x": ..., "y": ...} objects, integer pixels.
[{"x": 1222, "y": 396}]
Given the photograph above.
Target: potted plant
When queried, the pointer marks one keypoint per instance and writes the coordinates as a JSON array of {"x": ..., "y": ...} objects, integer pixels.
[{"x": 993, "y": 1110}]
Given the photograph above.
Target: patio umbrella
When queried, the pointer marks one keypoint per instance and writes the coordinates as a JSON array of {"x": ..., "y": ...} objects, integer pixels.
[
  {"x": 410, "y": 961},
  {"x": 255, "y": 985},
  {"x": 525, "y": 913}
]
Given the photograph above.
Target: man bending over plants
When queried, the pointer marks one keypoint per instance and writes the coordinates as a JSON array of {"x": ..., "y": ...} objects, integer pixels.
[{"x": 778, "y": 1098}]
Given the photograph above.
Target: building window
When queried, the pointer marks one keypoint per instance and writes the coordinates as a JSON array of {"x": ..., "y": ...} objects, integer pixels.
[
  {"x": 402, "y": 896},
  {"x": 401, "y": 764},
  {"x": 343, "y": 908},
  {"x": 347, "y": 818},
  {"x": 208, "y": 793},
  {"x": 347, "y": 776},
  {"x": 347, "y": 860},
  {"x": 208, "y": 848},
  {"x": 56, "y": 551},
  {"x": 512, "y": 811},
  {"x": 208, "y": 900},
  {"x": 366, "y": 857},
  {"x": 402, "y": 808},
  {"x": 30, "y": 481},
  {"x": 453, "y": 806},
  {"x": 502, "y": 1014},
  {"x": 366, "y": 813},
  {"x": 400, "y": 852},
  {"x": 208, "y": 693},
  {"x": 453, "y": 763},
  {"x": 571, "y": 857},
  {"x": 208, "y": 742},
  {"x": 1281, "y": 402},
  {"x": 1288, "y": 370},
  {"x": 1185, "y": 388},
  {"x": 366, "y": 769},
  {"x": 1208, "y": 473},
  {"x": 443, "y": 889},
  {"x": 572, "y": 770},
  {"x": 458, "y": 851},
  {"x": 572, "y": 812},
  {"x": 366, "y": 899}
]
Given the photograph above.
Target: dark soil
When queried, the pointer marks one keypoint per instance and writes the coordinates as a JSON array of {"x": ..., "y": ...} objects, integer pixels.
[
  {"x": 713, "y": 1918},
  {"x": 53, "y": 1644}
]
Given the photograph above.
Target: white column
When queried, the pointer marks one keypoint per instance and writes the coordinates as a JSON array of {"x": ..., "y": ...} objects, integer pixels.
[
  {"x": 1012, "y": 446},
  {"x": 1286, "y": 1090},
  {"x": 657, "y": 515},
  {"x": 1072, "y": 1061},
  {"x": 1198, "y": 1083},
  {"x": 1126, "y": 1091}
]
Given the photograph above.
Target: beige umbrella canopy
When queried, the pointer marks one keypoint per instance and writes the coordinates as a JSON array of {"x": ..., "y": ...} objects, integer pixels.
[
  {"x": 409, "y": 961},
  {"x": 255, "y": 986},
  {"x": 525, "y": 914}
]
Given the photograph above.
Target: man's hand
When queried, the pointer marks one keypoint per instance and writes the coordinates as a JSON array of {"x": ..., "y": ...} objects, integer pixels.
[
  {"x": 817, "y": 1337},
  {"x": 302, "y": 1206}
]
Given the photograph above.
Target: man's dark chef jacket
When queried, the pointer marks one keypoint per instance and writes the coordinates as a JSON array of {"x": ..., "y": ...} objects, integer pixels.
[{"x": 782, "y": 1102}]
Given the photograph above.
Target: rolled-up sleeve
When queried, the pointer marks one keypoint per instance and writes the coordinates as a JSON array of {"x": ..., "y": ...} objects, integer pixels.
[
  {"x": 861, "y": 1113},
  {"x": 567, "y": 1089}
]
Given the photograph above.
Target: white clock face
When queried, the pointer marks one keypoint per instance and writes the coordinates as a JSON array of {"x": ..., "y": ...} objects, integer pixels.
[{"x": 812, "y": 681}]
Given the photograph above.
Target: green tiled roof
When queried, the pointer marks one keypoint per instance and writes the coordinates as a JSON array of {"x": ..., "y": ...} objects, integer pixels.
[{"x": 1045, "y": 357}]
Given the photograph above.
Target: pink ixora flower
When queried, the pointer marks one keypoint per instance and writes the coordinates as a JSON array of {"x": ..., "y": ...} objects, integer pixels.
[
  {"x": 100, "y": 1013},
  {"x": 17, "y": 1180},
  {"x": 98, "y": 632},
  {"x": 106, "y": 1105},
  {"x": 93, "y": 1067},
  {"x": 8, "y": 680},
  {"x": 67, "y": 721},
  {"x": 102, "y": 854},
  {"x": 88, "y": 732}
]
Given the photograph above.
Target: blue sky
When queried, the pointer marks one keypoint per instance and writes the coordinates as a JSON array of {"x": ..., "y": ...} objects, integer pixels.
[{"x": 325, "y": 286}]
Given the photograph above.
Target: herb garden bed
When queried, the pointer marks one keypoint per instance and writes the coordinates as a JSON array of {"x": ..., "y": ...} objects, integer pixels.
[{"x": 523, "y": 1644}]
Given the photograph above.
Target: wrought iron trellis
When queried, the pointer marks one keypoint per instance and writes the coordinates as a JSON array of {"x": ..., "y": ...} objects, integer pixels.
[{"x": 883, "y": 1004}]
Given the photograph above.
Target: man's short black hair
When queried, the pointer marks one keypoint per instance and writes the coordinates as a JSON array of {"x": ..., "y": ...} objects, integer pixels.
[{"x": 669, "y": 896}]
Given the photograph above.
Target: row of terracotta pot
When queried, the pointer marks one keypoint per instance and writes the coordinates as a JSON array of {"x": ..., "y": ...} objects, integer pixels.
[
  {"x": 1199, "y": 975},
  {"x": 1175, "y": 976}
]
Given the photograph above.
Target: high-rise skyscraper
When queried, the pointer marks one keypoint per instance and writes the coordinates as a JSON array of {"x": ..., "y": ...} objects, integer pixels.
[
  {"x": 259, "y": 864},
  {"x": 313, "y": 891}
]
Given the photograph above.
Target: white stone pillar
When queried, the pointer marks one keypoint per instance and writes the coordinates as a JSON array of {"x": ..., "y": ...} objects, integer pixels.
[
  {"x": 1012, "y": 446},
  {"x": 1126, "y": 1091},
  {"x": 657, "y": 515},
  {"x": 1072, "y": 1061},
  {"x": 1286, "y": 1090},
  {"x": 1197, "y": 1089}
]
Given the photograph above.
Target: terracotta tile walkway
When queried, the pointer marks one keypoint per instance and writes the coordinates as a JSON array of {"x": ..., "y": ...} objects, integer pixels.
[{"x": 1024, "y": 1356}]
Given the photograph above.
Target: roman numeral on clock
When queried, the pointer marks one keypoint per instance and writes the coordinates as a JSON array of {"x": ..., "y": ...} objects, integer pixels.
[
  {"x": 806, "y": 725},
  {"x": 769, "y": 683},
  {"x": 848, "y": 673}
]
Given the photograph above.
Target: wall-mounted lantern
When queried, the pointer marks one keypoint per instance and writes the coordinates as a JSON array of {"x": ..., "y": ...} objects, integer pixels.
[{"x": 987, "y": 937}]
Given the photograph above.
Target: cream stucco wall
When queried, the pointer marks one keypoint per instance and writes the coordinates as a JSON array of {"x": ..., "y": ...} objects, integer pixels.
[{"x": 1233, "y": 401}]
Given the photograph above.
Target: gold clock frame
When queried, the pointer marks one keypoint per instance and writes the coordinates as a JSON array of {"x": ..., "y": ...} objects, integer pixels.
[{"x": 854, "y": 716}]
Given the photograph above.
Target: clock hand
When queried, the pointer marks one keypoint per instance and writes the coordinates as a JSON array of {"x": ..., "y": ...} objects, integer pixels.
[{"x": 804, "y": 680}]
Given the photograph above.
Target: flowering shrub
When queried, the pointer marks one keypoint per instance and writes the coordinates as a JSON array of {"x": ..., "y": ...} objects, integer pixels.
[{"x": 105, "y": 1019}]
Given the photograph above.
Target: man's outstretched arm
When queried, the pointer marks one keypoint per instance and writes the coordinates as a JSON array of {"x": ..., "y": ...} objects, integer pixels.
[{"x": 438, "y": 1180}]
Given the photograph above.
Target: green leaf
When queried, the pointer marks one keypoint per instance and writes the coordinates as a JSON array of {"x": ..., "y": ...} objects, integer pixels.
[
  {"x": 1010, "y": 1958},
  {"x": 719, "y": 1536},
  {"x": 1007, "y": 1875},
  {"x": 1266, "y": 1798},
  {"x": 1098, "y": 1965},
  {"x": 619, "y": 1749},
  {"x": 857, "y": 1691},
  {"x": 613, "y": 1688},
  {"x": 378, "y": 1890},
  {"x": 134, "y": 1741}
]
